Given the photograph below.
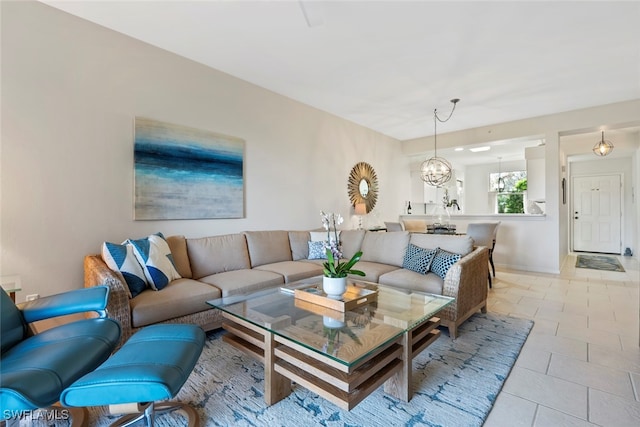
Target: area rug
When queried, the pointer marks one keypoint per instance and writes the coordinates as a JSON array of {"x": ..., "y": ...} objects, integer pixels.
[
  {"x": 599, "y": 262},
  {"x": 456, "y": 383}
]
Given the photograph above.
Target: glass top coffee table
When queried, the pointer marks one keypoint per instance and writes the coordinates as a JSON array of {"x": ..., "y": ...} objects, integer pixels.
[{"x": 341, "y": 356}]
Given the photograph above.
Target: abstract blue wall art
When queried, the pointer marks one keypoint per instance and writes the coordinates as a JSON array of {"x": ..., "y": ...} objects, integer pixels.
[{"x": 186, "y": 173}]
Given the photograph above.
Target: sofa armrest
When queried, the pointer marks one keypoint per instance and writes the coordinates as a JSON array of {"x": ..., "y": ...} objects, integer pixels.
[
  {"x": 96, "y": 273},
  {"x": 467, "y": 282}
]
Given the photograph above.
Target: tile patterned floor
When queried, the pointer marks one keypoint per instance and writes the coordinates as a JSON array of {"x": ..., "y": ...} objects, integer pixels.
[{"x": 580, "y": 365}]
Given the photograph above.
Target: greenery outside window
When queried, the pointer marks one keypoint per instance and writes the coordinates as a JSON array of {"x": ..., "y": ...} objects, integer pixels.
[{"x": 511, "y": 199}]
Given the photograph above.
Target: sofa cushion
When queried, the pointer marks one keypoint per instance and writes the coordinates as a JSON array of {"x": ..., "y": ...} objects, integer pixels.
[
  {"x": 407, "y": 279},
  {"x": 386, "y": 248},
  {"x": 372, "y": 270},
  {"x": 443, "y": 261},
  {"x": 418, "y": 259},
  {"x": 298, "y": 241},
  {"x": 179, "y": 298},
  {"x": 121, "y": 260},
  {"x": 216, "y": 254},
  {"x": 178, "y": 246},
  {"x": 243, "y": 281},
  {"x": 351, "y": 242},
  {"x": 155, "y": 257},
  {"x": 317, "y": 250},
  {"x": 462, "y": 245},
  {"x": 266, "y": 247},
  {"x": 293, "y": 270}
]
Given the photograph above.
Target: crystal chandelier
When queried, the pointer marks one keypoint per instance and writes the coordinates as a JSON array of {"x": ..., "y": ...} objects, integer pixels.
[
  {"x": 436, "y": 171},
  {"x": 602, "y": 148}
]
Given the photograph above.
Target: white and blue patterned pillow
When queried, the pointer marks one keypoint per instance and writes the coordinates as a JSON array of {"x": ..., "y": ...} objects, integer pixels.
[
  {"x": 443, "y": 261},
  {"x": 154, "y": 255},
  {"x": 418, "y": 259},
  {"x": 317, "y": 250},
  {"x": 121, "y": 259}
]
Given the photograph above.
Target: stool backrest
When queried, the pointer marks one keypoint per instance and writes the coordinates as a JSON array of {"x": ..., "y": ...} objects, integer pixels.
[
  {"x": 393, "y": 226},
  {"x": 483, "y": 233},
  {"x": 415, "y": 225}
]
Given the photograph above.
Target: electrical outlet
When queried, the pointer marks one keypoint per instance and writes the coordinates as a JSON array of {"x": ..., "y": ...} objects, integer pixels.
[{"x": 32, "y": 297}]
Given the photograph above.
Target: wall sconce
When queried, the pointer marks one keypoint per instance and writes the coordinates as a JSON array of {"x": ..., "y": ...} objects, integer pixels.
[{"x": 360, "y": 209}]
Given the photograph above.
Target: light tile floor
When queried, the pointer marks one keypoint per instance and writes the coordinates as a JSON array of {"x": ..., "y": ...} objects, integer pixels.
[{"x": 580, "y": 366}]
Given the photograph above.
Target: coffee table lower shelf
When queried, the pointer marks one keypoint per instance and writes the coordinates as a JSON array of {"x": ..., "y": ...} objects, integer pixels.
[{"x": 285, "y": 361}]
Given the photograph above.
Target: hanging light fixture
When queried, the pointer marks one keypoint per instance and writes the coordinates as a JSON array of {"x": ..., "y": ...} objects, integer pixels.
[
  {"x": 500, "y": 186},
  {"x": 436, "y": 171},
  {"x": 602, "y": 148}
]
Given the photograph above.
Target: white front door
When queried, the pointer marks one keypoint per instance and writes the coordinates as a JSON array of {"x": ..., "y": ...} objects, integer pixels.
[{"x": 597, "y": 213}]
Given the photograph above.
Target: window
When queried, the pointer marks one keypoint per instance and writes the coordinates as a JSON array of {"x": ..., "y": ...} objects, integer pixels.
[{"x": 511, "y": 199}]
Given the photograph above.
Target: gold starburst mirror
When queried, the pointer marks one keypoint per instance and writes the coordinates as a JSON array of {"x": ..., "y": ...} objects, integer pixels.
[{"x": 363, "y": 185}]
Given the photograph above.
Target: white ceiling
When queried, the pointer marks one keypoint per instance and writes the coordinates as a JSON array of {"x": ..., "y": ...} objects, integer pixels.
[{"x": 387, "y": 64}]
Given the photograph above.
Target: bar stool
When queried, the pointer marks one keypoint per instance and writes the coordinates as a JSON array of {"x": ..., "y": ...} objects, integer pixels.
[{"x": 484, "y": 234}]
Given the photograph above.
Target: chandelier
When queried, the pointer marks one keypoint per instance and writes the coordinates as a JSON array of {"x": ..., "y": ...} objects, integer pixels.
[
  {"x": 602, "y": 148},
  {"x": 436, "y": 171}
]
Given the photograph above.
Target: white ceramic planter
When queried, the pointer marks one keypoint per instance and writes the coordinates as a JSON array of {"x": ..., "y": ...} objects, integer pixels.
[
  {"x": 332, "y": 323},
  {"x": 334, "y": 287}
]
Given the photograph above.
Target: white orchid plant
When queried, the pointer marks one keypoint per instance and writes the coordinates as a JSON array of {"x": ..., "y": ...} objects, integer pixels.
[{"x": 334, "y": 267}]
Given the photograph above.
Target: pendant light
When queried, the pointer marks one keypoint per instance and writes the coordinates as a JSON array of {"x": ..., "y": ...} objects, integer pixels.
[
  {"x": 436, "y": 171},
  {"x": 602, "y": 148},
  {"x": 500, "y": 180}
]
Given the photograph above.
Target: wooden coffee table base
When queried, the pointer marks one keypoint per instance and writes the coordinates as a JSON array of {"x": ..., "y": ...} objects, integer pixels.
[{"x": 285, "y": 361}]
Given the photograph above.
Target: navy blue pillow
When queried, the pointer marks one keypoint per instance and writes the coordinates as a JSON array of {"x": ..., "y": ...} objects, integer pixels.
[
  {"x": 121, "y": 258},
  {"x": 418, "y": 259},
  {"x": 443, "y": 261}
]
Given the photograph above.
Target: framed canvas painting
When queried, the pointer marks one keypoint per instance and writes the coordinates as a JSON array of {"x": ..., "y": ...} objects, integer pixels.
[{"x": 186, "y": 173}]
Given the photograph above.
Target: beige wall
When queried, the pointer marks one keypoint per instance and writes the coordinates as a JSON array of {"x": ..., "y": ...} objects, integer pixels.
[{"x": 70, "y": 92}]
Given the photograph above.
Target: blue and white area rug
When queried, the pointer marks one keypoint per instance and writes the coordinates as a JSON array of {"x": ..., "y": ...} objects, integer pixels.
[{"x": 456, "y": 383}]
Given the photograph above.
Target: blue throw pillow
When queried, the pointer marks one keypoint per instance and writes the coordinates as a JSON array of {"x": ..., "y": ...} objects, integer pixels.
[
  {"x": 443, "y": 261},
  {"x": 418, "y": 259},
  {"x": 317, "y": 250},
  {"x": 121, "y": 259},
  {"x": 154, "y": 255}
]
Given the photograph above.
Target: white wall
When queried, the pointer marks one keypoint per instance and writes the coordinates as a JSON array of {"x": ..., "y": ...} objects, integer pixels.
[
  {"x": 70, "y": 92},
  {"x": 535, "y": 172}
]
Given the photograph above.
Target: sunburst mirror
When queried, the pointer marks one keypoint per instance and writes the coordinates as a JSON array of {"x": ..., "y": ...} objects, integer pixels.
[{"x": 363, "y": 185}]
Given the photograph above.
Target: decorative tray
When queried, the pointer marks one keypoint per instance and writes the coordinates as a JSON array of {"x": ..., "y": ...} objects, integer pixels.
[{"x": 354, "y": 297}]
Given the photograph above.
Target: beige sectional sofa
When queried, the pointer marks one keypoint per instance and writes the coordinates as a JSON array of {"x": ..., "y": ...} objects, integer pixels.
[{"x": 220, "y": 266}]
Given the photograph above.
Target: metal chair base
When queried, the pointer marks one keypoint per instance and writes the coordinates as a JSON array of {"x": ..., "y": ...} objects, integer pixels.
[{"x": 149, "y": 411}]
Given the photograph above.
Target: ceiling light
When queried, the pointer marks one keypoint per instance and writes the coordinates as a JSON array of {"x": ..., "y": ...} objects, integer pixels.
[
  {"x": 459, "y": 149},
  {"x": 602, "y": 148},
  {"x": 478, "y": 149},
  {"x": 501, "y": 184},
  {"x": 436, "y": 171}
]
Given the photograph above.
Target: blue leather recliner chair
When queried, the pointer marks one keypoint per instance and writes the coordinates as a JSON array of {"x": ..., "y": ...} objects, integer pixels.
[
  {"x": 35, "y": 369},
  {"x": 72, "y": 363}
]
